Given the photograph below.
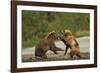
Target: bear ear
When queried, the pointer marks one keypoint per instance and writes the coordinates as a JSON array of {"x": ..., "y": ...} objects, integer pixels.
[
  {"x": 53, "y": 31},
  {"x": 50, "y": 34},
  {"x": 66, "y": 31}
]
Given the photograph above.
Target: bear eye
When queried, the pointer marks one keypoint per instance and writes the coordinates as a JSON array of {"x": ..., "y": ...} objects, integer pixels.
[{"x": 65, "y": 34}]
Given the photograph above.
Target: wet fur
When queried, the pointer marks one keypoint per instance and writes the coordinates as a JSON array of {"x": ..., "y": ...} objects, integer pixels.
[
  {"x": 71, "y": 43},
  {"x": 47, "y": 43}
]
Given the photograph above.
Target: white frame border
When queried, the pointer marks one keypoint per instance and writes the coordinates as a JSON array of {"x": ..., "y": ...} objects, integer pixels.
[{"x": 53, "y": 63}]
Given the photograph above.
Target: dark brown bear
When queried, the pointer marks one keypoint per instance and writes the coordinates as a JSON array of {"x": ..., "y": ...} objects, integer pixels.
[{"x": 47, "y": 43}]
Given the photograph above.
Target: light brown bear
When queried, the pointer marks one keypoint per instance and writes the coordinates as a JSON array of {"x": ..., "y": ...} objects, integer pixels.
[{"x": 71, "y": 43}]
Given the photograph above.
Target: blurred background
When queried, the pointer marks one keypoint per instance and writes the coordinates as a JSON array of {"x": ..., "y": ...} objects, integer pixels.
[{"x": 36, "y": 24}]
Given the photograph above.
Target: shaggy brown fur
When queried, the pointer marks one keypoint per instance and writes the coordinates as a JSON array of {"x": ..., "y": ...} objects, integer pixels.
[
  {"x": 47, "y": 43},
  {"x": 71, "y": 43}
]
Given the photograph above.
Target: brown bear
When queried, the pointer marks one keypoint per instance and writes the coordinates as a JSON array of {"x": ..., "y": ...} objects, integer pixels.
[
  {"x": 47, "y": 43},
  {"x": 70, "y": 42}
]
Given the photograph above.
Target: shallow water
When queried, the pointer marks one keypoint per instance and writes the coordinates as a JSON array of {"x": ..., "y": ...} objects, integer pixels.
[{"x": 29, "y": 53}]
